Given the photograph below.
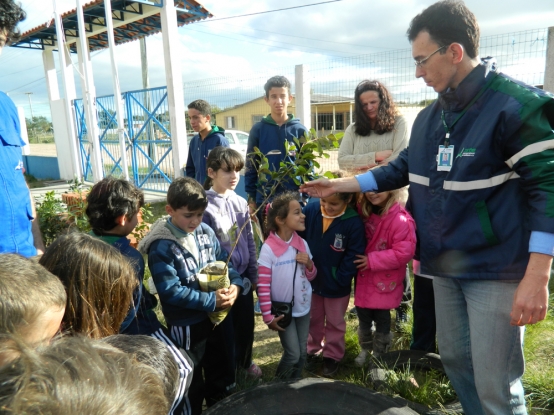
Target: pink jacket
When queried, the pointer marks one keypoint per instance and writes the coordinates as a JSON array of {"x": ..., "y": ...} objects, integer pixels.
[{"x": 391, "y": 245}]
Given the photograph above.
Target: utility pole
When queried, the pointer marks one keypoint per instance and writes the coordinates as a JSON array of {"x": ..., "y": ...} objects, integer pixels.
[{"x": 30, "y": 104}]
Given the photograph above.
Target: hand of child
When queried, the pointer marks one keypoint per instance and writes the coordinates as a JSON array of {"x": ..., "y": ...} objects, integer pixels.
[
  {"x": 233, "y": 293},
  {"x": 274, "y": 326},
  {"x": 222, "y": 299},
  {"x": 304, "y": 259},
  {"x": 361, "y": 262}
]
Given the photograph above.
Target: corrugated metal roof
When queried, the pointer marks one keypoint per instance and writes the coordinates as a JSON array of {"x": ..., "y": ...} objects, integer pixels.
[{"x": 132, "y": 20}]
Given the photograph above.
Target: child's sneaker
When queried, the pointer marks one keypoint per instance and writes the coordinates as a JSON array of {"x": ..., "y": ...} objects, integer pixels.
[
  {"x": 361, "y": 358},
  {"x": 254, "y": 371}
]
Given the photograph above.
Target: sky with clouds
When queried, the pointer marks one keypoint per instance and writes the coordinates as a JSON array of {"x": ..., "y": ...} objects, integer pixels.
[{"x": 260, "y": 43}]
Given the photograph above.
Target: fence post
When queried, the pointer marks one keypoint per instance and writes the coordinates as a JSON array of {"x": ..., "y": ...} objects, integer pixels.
[
  {"x": 549, "y": 65},
  {"x": 175, "y": 94},
  {"x": 302, "y": 97}
]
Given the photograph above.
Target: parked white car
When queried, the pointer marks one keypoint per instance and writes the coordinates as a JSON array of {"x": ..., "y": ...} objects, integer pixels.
[{"x": 238, "y": 140}]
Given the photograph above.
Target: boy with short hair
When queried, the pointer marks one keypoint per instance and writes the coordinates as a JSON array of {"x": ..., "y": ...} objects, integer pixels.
[
  {"x": 113, "y": 206},
  {"x": 32, "y": 300},
  {"x": 207, "y": 137},
  {"x": 270, "y": 134},
  {"x": 178, "y": 247}
]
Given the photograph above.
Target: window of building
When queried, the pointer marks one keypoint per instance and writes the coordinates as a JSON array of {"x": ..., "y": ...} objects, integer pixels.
[
  {"x": 229, "y": 122},
  {"x": 256, "y": 118}
]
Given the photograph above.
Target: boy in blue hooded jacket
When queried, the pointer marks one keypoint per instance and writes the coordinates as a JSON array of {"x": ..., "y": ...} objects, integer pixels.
[{"x": 269, "y": 135}]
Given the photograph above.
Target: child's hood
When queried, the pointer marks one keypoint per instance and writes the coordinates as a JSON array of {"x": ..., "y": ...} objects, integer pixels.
[
  {"x": 291, "y": 121},
  {"x": 157, "y": 231}
]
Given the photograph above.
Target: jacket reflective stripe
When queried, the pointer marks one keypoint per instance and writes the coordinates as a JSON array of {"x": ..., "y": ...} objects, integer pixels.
[
  {"x": 530, "y": 149},
  {"x": 480, "y": 184},
  {"x": 415, "y": 178}
]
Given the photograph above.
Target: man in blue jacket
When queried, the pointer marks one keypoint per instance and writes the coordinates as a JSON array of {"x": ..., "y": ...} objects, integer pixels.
[
  {"x": 484, "y": 212},
  {"x": 19, "y": 233},
  {"x": 207, "y": 137}
]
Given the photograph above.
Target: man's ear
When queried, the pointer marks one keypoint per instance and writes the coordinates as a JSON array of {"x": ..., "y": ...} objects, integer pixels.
[
  {"x": 121, "y": 220},
  {"x": 457, "y": 51},
  {"x": 208, "y": 118},
  {"x": 169, "y": 209}
]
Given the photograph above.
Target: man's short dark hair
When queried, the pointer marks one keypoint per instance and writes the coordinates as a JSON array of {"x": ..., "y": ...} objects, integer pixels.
[
  {"x": 186, "y": 192},
  {"x": 109, "y": 199},
  {"x": 201, "y": 106},
  {"x": 276, "y": 82},
  {"x": 11, "y": 14},
  {"x": 448, "y": 21}
]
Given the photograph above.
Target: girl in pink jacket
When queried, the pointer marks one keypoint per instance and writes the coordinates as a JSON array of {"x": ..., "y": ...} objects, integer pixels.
[{"x": 391, "y": 241}]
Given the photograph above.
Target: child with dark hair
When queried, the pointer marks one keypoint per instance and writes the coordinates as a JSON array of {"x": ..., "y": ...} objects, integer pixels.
[
  {"x": 76, "y": 375},
  {"x": 113, "y": 209},
  {"x": 270, "y": 135},
  {"x": 285, "y": 271},
  {"x": 227, "y": 214},
  {"x": 335, "y": 234},
  {"x": 32, "y": 300},
  {"x": 207, "y": 138},
  {"x": 178, "y": 247}
]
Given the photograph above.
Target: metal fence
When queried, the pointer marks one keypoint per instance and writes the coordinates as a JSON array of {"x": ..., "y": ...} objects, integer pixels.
[
  {"x": 237, "y": 102},
  {"x": 148, "y": 149}
]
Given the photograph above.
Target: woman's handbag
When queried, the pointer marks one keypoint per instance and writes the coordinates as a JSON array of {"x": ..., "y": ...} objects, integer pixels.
[{"x": 281, "y": 308}]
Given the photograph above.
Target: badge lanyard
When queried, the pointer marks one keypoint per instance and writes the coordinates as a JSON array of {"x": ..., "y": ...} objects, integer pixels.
[{"x": 446, "y": 152}]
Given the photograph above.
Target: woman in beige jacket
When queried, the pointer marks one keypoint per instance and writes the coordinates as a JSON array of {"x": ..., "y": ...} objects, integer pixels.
[{"x": 379, "y": 133}]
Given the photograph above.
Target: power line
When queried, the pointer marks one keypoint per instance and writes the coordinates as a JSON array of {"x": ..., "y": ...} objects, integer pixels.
[
  {"x": 274, "y": 46},
  {"x": 310, "y": 38},
  {"x": 267, "y": 11}
]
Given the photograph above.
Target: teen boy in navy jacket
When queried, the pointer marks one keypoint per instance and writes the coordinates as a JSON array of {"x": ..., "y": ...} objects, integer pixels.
[
  {"x": 207, "y": 137},
  {"x": 270, "y": 134}
]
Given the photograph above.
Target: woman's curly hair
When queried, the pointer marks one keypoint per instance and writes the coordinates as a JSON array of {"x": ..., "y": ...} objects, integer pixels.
[
  {"x": 387, "y": 109},
  {"x": 11, "y": 14}
]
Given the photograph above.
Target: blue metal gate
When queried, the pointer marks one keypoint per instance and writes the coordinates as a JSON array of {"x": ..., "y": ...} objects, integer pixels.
[{"x": 148, "y": 138}]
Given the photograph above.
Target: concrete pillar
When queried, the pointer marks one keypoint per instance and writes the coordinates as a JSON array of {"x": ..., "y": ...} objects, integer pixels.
[
  {"x": 89, "y": 96},
  {"x": 302, "y": 97},
  {"x": 549, "y": 66},
  {"x": 350, "y": 114},
  {"x": 117, "y": 91},
  {"x": 67, "y": 147},
  {"x": 334, "y": 118},
  {"x": 175, "y": 94}
]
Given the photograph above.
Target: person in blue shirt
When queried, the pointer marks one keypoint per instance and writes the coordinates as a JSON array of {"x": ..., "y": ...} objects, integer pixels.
[
  {"x": 19, "y": 232},
  {"x": 207, "y": 137}
]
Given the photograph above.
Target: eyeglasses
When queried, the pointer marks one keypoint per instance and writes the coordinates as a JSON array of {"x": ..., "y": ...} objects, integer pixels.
[{"x": 421, "y": 62}]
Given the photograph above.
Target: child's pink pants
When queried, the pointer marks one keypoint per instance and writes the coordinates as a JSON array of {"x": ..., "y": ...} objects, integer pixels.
[{"x": 327, "y": 326}]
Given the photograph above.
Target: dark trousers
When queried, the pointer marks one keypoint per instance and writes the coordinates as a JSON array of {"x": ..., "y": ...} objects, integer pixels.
[
  {"x": 242, "y": 315},
  {"x": 367, "y": 316},
  {"x": 208, "y": 348},
  {"x": 424, "y": 329}
]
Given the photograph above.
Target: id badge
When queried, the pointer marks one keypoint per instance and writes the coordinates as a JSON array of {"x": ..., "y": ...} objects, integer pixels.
[{"x": 445, "y": 158}]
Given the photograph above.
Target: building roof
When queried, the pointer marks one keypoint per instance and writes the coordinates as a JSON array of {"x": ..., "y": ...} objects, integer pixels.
[
  {"x": 132, "y": 19},
  {"x": 315, "y": 99}
]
